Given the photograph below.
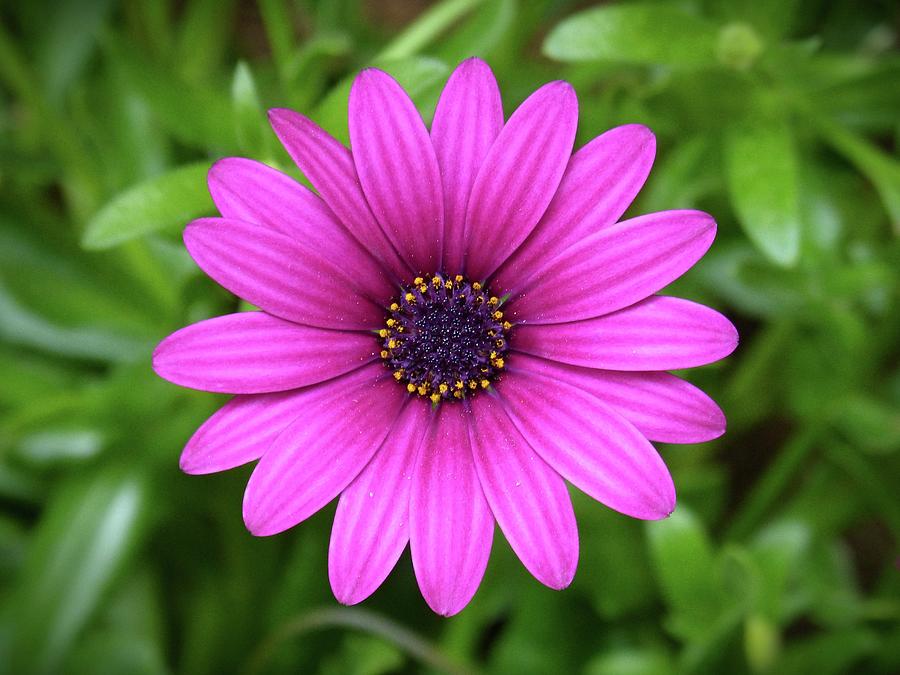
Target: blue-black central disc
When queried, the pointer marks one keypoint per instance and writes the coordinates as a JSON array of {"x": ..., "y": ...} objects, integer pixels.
[{"x": 445, "y": 338}]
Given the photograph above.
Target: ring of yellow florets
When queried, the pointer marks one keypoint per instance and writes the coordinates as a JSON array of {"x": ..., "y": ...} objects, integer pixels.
[{"x": 445, "y": 338}]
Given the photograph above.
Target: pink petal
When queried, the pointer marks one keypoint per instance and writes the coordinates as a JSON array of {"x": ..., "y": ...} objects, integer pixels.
[
  {"x": 451, "y": 527},
  {"x": 529, "y": 499},
  {"x": 371, "y": 526},
  {"x": 616, "y": 267},
  {"x": 519, "y": 176},
  {"x": 341, "y": 424},
  {"x": 661, "y": 406},
  {"x": 240, "y": 431},
  {"x": 253, "y": 352},
  {"x": 244, "y": 189},
  {"x": 599, "y": 184},
  {"x": 329, "y": 167},
  {"x": 282, "y": 275},
  {"x": 659, "y": 333},
  {"x": 397, "y": 168},
  {"x": 468, "y": 117},
  {"x": 589, "y": 445}
]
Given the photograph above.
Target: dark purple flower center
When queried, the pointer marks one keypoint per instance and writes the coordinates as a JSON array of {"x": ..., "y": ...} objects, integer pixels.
[{"x": 445, "y": 338}]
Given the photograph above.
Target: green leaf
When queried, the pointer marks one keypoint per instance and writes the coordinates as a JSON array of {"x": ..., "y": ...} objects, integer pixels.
[
  {"x": 251, "y": 128},
  {"x": 761, "y": 168},
  {"x": 163, "y": 202},
  {"x": 644, "y": 33},
  {"x": 683, "y": 560},
  {"x": 86, "y": 537}
]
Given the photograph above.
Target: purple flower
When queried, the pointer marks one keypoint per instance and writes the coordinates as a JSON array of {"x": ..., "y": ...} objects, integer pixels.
[{"x": 454, "y": 327}]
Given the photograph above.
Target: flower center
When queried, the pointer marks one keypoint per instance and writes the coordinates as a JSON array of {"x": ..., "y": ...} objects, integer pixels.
[{"x": 445, "y": 338}]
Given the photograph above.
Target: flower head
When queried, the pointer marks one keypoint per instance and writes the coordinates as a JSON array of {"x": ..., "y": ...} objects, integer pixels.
[{"x": 452, "y": 328}]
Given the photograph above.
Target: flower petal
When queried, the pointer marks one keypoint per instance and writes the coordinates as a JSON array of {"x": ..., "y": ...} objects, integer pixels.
[
  {"x": 240, "y": 431},
  {"x": 599, "y": 184},
  {"x": 659, "y": 333},
  {"x": 397, "y": 168},
  {"x": 529, "y": 499},
  {"x": 451, "y": 527},
  {"x": 519, "y": 176},
  {"x": 661, "y": 406},
  {"x": 468, "y": 117},
  {"x": 329, "y": 167},
  {"x": 283, "y": 276},
  {"x": 253, "y": 352},
  {"x": 371, "y": 526},
  {"x": 616, "y": 267},
  {"x": 244, "y": 189},
  {"x": 341, "y": 424},
  {"x": 589, "y": 445}
]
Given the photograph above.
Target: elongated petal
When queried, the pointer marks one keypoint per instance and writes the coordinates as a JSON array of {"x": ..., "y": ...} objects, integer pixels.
[
  {"x": 599, "y": 184},
  {"x": 397, "y": 168},
  {"x": 659, "y": 333},
  {"x": 661, "y": 406},
  {"x": 590, "y": 445},
  {"x": 519, "y": 176},
  {"x": 253, "y": 352},
  {"x": 341, "y": 424},
  {"x": 451, "y": 527},
  {"x": 329, "y": 167},
  {"x": 616, "y": 267},
  {"x": 282, "y": 275},
  {"x": 244, "y": 189},
  {"x": 467, "y": 120},
  {"x": 371, "y": 526},
  {"x": 529, "y": 499},
  {"x": 240, "y": 431}
]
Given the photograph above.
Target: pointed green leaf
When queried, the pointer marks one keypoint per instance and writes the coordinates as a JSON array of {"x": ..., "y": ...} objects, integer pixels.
[
  {"x": 164, "y": 202},
  {"x": 643, "y": 33},
  {"x": 761, "y": 169}
]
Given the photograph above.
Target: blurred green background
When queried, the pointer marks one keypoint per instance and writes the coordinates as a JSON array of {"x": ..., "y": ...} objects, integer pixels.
[{"x": 780, "y": 117}]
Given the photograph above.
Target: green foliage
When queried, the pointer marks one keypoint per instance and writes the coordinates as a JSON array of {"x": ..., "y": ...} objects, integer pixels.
[{"x": 778, "y": 117}]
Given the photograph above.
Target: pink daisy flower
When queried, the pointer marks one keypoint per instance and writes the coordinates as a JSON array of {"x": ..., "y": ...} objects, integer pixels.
[{"x": 454, "y": 327}]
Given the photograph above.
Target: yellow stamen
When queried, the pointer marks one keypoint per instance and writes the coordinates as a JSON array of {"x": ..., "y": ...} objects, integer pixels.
[
  {"x": 410, "y": 298},
  {"x": 384, "y": 353},
  {"x": 383, "y": 332},
  {"x": 498, "y": 315},
  {"x": 485, "y": 384},
  {"x": 410, "y": 387},
  {"x": 494, "y": 300},
  {"x": 418, "y": 281},
  {"x": 398, "y": 374},
  {"x": 392, "y": 343},
  {"x": 435, "y": 398},
  {"x": 476, "y": 286},
  {"x": 443, "y": 388},
  {"x": 394, "y": 306}
]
